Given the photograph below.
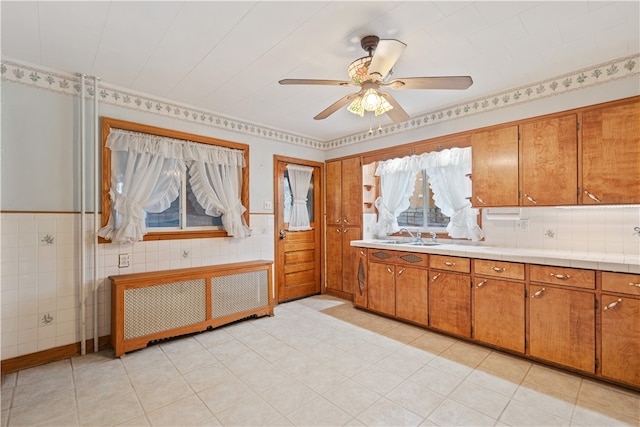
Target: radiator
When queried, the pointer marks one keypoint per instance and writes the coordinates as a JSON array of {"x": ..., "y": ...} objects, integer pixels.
[{"x": 162, "y": 304}]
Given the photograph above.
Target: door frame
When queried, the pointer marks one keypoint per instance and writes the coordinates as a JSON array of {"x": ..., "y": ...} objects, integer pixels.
[{"x": 277, "y": 207}]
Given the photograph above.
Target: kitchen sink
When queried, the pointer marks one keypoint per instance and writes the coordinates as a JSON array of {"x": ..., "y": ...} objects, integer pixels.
[{"x": 422, "y": 243}]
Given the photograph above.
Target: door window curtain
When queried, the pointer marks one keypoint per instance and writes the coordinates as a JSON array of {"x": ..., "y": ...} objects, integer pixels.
[
  {"x": 299, "y": 180},
  {"x": 146, "y": 176},
  {"x": 448, "y": 172}
]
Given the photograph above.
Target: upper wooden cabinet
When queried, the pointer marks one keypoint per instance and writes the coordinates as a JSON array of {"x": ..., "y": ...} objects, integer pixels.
[
  {"x": 495, "y": 167},
  {"x": 344, "y": 192},
  {"x": 611, "y": 154},
  {"x": 549, "y": 162}
]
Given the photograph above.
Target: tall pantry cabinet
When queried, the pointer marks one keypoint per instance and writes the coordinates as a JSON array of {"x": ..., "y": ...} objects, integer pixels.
[{"x": 343, "y": 224}]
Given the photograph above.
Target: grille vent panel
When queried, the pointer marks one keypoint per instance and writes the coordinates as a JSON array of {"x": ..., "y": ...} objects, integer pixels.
[
  {"x": 240, "y": 292},
  {"x": 179, "y": 304}
]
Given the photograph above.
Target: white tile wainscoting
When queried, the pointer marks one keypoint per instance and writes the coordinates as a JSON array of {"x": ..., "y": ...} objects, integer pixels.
[{"x": 40, "y": 273}]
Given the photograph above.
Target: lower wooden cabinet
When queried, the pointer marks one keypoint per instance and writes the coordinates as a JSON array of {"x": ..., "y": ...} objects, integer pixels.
[
  {"x": 620, "y": 306},
  {"x": 562, "y": 327},
  {"x": 498, "y": 313},
  {"x": 360, "y": 268},
  {"x": 450, "y": 302},
  {"x": 559, "y": 315},
  {"x": 411, "y": 294},
  {"x": 382, "y": 288},
  {"x": 340, "y": 258}
]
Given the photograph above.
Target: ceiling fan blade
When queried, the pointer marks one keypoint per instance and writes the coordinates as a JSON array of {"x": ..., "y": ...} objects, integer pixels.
[
  {"x": 445, "y": 82},
  {"x": 315, "y": 82},
  {"x": 397, "y": 114},
  {"x": 336, "y": 106},
  {"x": 384, "y": 58}
]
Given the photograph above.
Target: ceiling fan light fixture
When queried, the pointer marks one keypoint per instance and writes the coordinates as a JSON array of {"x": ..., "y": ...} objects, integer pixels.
[
  {"x": 371, "y": 100},
  {"x": 359, "y": 70},
  {"x": 356, "y": 107},
  {"x": 383, "y": 107}
]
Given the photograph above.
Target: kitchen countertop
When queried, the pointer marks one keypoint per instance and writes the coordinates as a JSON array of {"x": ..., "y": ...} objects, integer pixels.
[{"x": 624, "y": 263}]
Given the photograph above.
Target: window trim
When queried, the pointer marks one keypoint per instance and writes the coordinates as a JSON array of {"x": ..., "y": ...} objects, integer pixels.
[{"x": 107, "y": 123}]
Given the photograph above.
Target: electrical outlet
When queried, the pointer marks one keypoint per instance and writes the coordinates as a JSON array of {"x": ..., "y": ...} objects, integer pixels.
[
  {"x": 124, "y": 260},
  {"x": 268, "y": 205},
  {"x": 522, "y": 225}
]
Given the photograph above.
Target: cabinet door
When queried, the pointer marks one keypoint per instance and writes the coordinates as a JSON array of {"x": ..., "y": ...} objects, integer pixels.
[
  {"x": 562, "y": 326},
  {"x": 334, "y": 257},
  {"x": 611, "y": 155},
  {"x": 411, "y": 294},
  {"x": 381, "y": 288},
  {"x": 498, "y": 309},
  {"x": 360, "y": 288},
  {"x": 450, "y": 302},
  {"x": 495, "y": 167},
  {"x": 333, "y": 175},
  {"x": 351, "y": 191},
  {"x": 349, "y": 254},
  {"x": 621, "y": 339},
  {"x": 549, "y": 162}
]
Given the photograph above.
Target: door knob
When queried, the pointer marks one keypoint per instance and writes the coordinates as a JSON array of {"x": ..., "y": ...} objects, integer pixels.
[{"x": 282, "y": 235}]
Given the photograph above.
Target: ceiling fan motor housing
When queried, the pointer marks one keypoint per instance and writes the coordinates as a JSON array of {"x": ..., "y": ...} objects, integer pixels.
[{"x": 369, "y": 43}]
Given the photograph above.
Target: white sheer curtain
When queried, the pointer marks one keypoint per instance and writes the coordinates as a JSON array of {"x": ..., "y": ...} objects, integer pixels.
[
  {"x": 299, "y": 179},
  {"x": 395, "y": 191},
  {"x": 146, "y": 176},
  {"x": 143, "y": 179},
  {"x": 448, "y": 173},
  {"x": 448, "y": 178},
  {"x": 217, "y": 188}
]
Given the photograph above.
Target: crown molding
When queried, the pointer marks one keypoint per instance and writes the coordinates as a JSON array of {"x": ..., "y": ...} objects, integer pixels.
[{"x": 69, "y": 84}]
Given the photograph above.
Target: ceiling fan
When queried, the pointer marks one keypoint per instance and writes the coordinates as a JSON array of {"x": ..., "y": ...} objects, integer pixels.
[{"x": 370, "y": 73}]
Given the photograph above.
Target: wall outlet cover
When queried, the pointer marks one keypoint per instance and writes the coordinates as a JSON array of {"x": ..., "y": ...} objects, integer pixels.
[
  {"x": 124, "y": 260},
  {"x": 521, "y": 225}
]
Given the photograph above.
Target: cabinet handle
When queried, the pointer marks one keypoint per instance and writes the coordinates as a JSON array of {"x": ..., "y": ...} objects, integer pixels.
[
  {"x": 538, "y": 293},
  {"x": 480, "y": 200},
  {"x": 592, "y": 197},
  {"x": 613, "y": 304},
  {"x": 345, "y": 220},
  {"x": 389, "y": 270},
  {"x": 434, "y": 278},
  {"x": 481, "y": 284},
  {"x": 337, "y": 220},
  {"x": 401, "y": 271},
  {"x": 561, "y": 276},
  {"x": 361, "y": 252},
  {"x": 345, "y": 230},
  {"x": 637, "y": 285},
  {"x": 499, "y": 269},
  {"x": 449, "y": 263},
  {"x": 531, "y": 199},
  {"x": 338, "y": 230}
]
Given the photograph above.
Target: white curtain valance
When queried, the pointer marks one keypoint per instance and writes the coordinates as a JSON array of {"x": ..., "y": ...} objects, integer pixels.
[
  {"x": 435, "y": 159},
  {"x": 170, "y": 148}
]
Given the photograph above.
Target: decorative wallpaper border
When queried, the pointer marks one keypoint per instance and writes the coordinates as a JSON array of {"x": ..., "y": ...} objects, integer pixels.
[{"x": 69, "y": 84}]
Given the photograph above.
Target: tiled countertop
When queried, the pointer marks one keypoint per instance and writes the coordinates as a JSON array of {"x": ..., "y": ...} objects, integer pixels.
[{"x": 591, "y": 260}]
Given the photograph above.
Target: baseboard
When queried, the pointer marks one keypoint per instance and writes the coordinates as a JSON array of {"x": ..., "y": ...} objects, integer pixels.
[{"x": 51, "y": 355}]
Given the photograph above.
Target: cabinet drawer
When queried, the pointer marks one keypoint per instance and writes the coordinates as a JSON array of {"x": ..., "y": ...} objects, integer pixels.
[
  {"x": 450, "y": 263},
  {"x": 563, "y": 276},
  {"x": 412, "y": 258},
  {"x": 507, "y": 270},
  {"x": 621, "y": 282}
]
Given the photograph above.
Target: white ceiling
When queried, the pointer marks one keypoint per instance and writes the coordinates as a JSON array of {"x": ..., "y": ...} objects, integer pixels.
[{"x": 226, "y": 57}]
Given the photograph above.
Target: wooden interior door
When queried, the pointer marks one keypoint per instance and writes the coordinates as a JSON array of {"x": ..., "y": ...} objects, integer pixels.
[{"x": 298, "y": 263}]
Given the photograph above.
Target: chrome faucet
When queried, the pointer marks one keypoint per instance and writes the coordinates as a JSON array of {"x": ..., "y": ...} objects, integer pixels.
[
  {"x": 412, "y": 236},
  {"x": 418, "y": 236}
]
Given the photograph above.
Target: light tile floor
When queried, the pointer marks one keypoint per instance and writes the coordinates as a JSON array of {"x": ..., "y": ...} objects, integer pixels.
[{"x": 318, "y": 361}]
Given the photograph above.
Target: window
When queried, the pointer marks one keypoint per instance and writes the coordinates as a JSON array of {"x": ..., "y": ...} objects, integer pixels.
[
  {"x": 185, "y": 212},
  {"x": 217, "y": 205},
  {"x": 422, "y": 212}
]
